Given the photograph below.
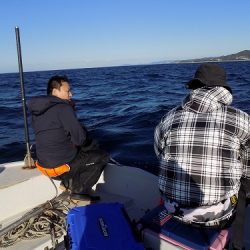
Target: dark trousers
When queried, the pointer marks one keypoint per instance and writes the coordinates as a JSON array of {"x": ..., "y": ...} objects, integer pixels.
[
  {"x": 85, "y": 170},
  {"x": 239, "y": 222}
]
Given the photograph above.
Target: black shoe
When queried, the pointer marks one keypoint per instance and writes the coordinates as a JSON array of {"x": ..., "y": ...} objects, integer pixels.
[{"x": 84, "y": 197}]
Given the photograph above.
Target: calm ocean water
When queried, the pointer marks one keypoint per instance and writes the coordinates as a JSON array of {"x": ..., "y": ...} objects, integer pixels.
[{"x": 119, "y": 105}]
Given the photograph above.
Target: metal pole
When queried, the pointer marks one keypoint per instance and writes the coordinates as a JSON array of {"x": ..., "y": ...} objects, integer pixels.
[{"x": 28, "y": 161}]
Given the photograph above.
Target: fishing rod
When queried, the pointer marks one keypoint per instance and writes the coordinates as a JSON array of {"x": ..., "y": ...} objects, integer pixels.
[{"x": 28, "y": 161}]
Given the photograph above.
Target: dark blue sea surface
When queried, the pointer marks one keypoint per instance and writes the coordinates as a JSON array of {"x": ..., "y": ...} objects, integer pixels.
[{"x": 119, "y": 105}]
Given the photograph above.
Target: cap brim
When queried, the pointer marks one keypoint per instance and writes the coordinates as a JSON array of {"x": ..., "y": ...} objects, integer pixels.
[
  {"x": 190, "y": 84},
  {"x": 197, "y": 83}
]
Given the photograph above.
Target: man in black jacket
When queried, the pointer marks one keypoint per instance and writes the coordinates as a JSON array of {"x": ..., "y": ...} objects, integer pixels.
[{"x": 63, "y": 147}]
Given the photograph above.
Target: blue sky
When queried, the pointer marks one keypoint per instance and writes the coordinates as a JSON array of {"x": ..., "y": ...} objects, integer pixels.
[{"x": 58, "y": 34}]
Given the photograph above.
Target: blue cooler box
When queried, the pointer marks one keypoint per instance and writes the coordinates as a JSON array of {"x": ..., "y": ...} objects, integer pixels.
[
  {"x": 101, "y": 226},
  {"x": 159, "y": 225}
]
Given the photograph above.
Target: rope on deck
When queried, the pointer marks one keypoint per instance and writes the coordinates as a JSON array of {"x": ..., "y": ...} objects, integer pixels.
[{"x": 51, "y": 221}]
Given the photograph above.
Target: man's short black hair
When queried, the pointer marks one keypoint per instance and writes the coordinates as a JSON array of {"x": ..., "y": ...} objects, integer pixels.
[{"x": 55, "y": 82}]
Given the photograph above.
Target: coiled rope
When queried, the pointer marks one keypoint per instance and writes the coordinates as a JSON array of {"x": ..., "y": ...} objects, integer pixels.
[{"x": 50, "y": 221}]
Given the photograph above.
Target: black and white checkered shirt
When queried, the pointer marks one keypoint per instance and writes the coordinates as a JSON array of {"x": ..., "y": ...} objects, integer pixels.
[{"x": 204, "y": 148}]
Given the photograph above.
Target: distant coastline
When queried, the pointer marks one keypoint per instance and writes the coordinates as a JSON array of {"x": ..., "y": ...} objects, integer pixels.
[
  {"x": 240, "y": 56},
  {"x": 207, "y": 61}
]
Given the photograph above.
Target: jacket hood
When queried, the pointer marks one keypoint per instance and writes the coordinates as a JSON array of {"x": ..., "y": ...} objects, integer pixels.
[
  {"x": 203, "y": 100},
  {"x": 39, "y": 105}
]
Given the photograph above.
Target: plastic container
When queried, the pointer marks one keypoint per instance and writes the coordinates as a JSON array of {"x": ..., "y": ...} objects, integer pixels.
[{"x": 101, "y": 226}]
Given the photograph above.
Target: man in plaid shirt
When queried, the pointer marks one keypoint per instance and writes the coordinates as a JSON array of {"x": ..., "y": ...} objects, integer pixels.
[{"x": 204, "y": 151}]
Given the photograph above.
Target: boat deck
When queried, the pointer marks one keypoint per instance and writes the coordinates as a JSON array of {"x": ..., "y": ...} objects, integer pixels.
[
  {"x": 22, "y": 190},
  {"x": 13, "y": 173}
]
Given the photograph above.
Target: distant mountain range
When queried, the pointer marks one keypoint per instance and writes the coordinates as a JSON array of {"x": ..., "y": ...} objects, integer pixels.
[{"x": 240, "y": 56}]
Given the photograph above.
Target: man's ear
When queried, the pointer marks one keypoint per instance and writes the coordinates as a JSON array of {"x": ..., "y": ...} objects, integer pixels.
[{"x": 55, "y": 92}]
